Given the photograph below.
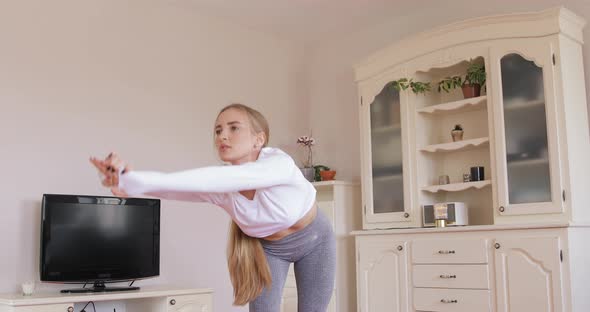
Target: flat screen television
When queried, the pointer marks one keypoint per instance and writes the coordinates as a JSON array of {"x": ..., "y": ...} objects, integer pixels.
[{"x": 98, "y": 240}]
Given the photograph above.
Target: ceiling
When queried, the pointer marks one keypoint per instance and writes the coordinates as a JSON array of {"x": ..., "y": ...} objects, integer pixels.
[
  {"x": 304, "y": 20},
  {"x": 315, "y": 20}
]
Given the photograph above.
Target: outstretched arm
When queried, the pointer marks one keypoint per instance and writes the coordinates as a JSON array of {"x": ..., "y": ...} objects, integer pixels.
[
  {"x": 275, "y": 170},
  {"x": 111, "y": 168}
]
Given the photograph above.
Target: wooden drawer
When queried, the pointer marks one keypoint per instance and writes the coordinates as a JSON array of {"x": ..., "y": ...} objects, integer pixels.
[
  {"x": 40, "y": 308},
  {"x": 468, "y": 276},
  {"x": 450, "y": 251},
  {"x": 451, "y": 300}
]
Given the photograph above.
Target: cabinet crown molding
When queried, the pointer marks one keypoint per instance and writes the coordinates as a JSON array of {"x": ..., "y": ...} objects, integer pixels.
[{"x": 532, "y": 24}]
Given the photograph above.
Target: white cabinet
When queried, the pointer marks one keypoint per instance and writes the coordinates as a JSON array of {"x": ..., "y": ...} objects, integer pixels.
[
  {"x": 41, "y": 308},
  {"x": 382, "y": 274},
  {"x": 189, "y": 303},
  {"x": 340, "y": 202},
  {"x": 473, "y": 269},
  {"x": 528, "y": 128},
  {"x": 528, "y": 274},
  {"x": 289, "y": 300},
  {"x": 147, "y": 299},
  {"x": 525, "y": 246}
]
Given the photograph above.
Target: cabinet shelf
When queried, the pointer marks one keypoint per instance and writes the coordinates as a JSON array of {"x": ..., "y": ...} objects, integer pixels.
[
  {"x": 457, "y": 146},
  {"x": 387, "y": 129},
  {"x": 388, "y": 178},
  {"x": 461, "y": 106},
  {"x": 456, "y": 187},
  {"x": 524, "y": 105},
  {"x": 528, "y": 162}
]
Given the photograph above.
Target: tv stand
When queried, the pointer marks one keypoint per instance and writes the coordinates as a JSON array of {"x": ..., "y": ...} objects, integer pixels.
[
  {"x": 98, "y": 286},
  {"x": 148, "y": 299}
]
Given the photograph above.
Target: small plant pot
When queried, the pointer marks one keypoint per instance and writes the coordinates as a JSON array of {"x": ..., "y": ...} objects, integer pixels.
[
  {"x": 457, "y": 135},
  {"x": 471, "y": 90},
  {"x": 318, "y": 169},
  {"x": 327, "y": 175}
]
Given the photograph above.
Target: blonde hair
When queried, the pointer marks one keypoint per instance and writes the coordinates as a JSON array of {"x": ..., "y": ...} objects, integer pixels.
[
  {"x": 257, "y": 120},
  {"x": 248, "y": 269}
]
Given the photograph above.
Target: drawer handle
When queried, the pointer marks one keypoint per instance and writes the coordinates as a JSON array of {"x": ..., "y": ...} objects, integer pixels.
[
  {"x": 70, "y": 309},
  {"x": 448, "y": 276},
  {"x": 446, "y": 252},
  {"x": 448, "y": 301},
  {"x": 497, "y": 246},
  {"x": 172, "y": 302},
  {"x": 400, "y": 248}
]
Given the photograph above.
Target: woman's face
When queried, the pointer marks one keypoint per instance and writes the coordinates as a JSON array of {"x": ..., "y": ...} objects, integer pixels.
[{"x": 235, "y": 140}]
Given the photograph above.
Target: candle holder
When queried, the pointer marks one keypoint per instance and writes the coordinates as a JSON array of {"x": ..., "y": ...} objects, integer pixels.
[
  {"x": 443, "y": 179},
  {"x": 466, "y": 177},
  {"x": 441, "y": 223},
  {"x": 441, "y": 215}
]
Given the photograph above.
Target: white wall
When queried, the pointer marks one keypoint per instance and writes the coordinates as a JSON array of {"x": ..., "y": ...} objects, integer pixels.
[
  {"x": 82, "y": 78},
  {"x": 333, "y": 94}
]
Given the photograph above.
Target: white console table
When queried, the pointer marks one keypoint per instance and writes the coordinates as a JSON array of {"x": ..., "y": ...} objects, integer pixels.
[{"x": 147, "y": 299}]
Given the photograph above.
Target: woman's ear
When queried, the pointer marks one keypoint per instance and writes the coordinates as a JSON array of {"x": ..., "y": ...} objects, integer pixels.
[{"x": 260, "y": 139}]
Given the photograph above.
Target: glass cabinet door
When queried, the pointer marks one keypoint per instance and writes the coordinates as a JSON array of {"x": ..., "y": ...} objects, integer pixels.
[
  {"x": 528, "y": 168},
  {"x": 385, "y": 141},
  {"x": 386, "y": 152}
]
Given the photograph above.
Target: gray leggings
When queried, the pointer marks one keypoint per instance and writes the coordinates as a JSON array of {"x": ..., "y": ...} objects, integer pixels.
[{"x": 313, "y": 252}]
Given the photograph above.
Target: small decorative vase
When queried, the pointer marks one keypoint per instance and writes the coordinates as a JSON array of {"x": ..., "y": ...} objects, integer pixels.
[
  {"x": 308, "y": 173},
  {"x": 457, "y": 135}
]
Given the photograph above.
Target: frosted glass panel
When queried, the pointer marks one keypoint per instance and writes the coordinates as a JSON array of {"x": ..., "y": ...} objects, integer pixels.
[
  {"x": 386, "y": 151},
  {"x": 526, "y": 131}
]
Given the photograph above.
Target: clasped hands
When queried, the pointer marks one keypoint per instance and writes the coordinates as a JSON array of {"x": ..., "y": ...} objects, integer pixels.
[{"x": 109, "y": 170}]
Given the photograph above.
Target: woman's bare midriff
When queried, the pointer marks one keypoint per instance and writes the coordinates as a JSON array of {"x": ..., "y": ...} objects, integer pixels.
[{"x": 299, "y": 225}]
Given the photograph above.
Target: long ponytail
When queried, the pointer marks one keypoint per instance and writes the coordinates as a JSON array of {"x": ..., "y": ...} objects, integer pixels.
[{"x": 248, "y": 268}]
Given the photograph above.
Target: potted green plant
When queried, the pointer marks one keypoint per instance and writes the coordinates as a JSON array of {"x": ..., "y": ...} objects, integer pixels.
[
  {"x": 324, "y": 173},
  {"x": 417, "y": 87},
  {"x": 449, "y": 83},
  {"x": 474, "y": 80},
  {"x": 400, "y": 84},
  {"x": 319, "y": 168}
]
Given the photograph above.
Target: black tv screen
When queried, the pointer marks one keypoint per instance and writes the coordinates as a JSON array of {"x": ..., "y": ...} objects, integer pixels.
[{"x": 99, "y": 238}]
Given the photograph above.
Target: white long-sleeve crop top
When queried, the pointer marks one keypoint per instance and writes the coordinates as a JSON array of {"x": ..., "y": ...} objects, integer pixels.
[{"x": 283, "y": 195}]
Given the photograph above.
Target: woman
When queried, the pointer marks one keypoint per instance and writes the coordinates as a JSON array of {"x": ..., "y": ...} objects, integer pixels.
[{"x": 275, "y": 218}]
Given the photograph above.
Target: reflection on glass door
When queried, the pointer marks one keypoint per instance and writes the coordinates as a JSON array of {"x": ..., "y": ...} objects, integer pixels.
[
  {"x": 386, "y": 151},
  {"x": 525, "y": 125}
]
